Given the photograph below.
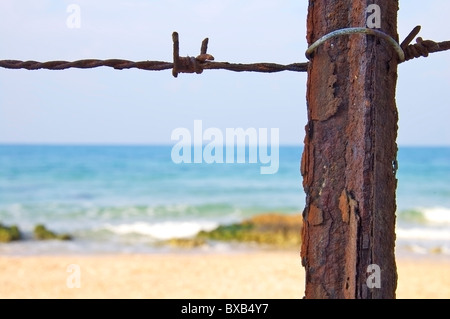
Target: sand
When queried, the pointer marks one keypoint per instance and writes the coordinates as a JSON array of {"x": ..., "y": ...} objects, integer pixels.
[{"x": 263, "y": 274}]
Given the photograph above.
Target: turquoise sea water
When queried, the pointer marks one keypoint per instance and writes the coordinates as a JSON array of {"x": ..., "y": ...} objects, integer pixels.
[{"x": 127, "y": 198}]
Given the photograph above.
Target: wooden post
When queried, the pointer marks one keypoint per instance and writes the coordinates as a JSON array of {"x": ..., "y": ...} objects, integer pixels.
[{"x": 349, "y": 160}]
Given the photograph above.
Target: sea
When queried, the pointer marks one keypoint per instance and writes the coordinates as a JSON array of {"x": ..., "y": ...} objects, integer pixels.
[{"x": 130, "y": 199}]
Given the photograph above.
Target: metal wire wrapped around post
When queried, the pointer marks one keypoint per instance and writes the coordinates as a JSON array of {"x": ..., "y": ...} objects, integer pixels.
[{"x": 348, "y": 31}]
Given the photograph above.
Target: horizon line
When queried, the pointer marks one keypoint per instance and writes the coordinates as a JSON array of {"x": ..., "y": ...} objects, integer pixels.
[{"x": 171, "y": 145}]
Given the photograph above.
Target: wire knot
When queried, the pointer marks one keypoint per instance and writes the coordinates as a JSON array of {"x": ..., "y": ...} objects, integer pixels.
[
  {"x": 189, "y": 64},
  {"x": 422, "y": 48}
]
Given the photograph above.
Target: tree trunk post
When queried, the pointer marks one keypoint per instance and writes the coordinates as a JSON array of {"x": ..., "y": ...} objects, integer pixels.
[{"x": 349, "y": 159}]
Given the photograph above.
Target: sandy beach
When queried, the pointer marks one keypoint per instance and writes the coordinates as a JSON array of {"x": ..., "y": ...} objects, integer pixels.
[{"x": 263, "y": 274}]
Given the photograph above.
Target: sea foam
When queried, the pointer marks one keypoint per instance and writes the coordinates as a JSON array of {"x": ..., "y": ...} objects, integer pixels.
[
  {"x": 427, "y": 215},
  {"x": 438, "y": 215},
  {"x": 163, "y": 230},
  {"x": 423, "y": 233}
]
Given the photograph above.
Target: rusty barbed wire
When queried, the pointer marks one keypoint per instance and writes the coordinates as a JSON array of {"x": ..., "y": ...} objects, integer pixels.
[
  {"x": 205, "y": 61},
  {"x": 202, "y": 62},
  {"x": 152, "y": 65}
]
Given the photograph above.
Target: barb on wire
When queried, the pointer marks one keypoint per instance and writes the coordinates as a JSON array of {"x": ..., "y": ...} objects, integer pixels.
[{"x": 422, "y": 48}]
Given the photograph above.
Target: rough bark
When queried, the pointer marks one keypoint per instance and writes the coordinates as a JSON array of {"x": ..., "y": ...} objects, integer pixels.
[{"x": 350, "y": 149}]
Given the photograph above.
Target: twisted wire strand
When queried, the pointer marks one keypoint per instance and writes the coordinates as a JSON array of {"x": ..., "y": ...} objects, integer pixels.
[
  {"x": 86, "y": 64},
  {"x": 256, "y": 67}
]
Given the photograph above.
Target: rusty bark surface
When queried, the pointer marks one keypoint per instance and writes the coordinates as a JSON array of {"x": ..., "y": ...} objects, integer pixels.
[{"x": 350, "y": 148}]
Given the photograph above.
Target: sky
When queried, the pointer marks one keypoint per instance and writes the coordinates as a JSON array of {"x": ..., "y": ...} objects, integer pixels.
[{"x": 107, "y": 106}]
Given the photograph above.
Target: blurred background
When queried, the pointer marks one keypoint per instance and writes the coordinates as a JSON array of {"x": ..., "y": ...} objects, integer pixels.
[{"x": 75, "y": 151}]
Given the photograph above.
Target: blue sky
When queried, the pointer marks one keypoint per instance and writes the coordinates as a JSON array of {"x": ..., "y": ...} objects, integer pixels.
[{"x": 103, "y": 105}]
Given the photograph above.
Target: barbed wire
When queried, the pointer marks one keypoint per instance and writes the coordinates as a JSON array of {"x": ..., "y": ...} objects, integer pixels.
[
  {"x": 150, "y": 65},
  {"x": 205, "y": 61},
  {"x": 202, "y": 62}
]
